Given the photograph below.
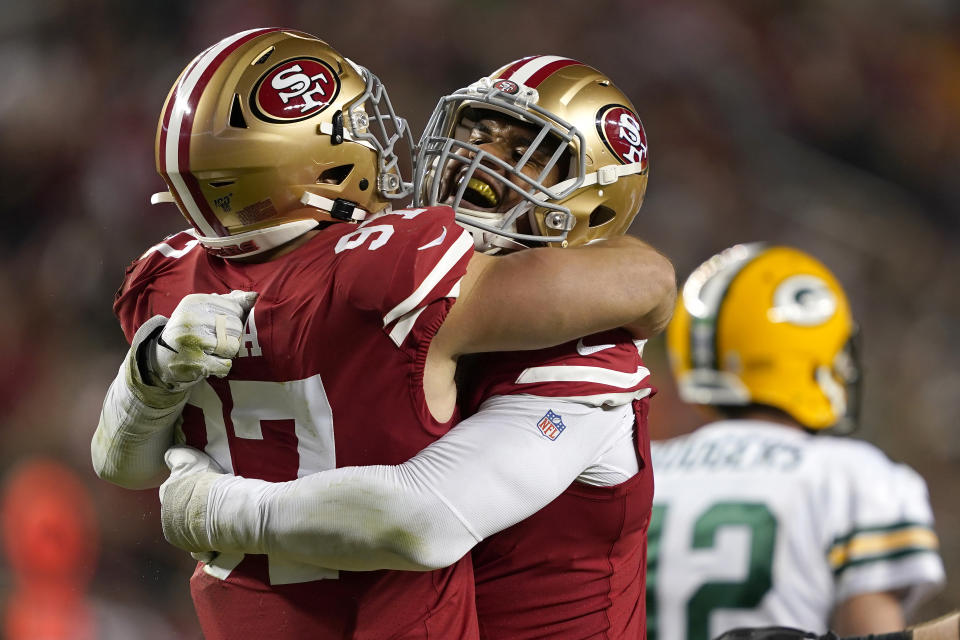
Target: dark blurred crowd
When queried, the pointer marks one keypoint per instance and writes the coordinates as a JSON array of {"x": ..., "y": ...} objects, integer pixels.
[{"x": 833, "y": 126}]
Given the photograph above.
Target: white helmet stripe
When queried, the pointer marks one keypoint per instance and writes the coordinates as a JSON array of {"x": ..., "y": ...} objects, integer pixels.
[
  {"x": 529, "y": 73},
  {"x": 176, "y": 148}
]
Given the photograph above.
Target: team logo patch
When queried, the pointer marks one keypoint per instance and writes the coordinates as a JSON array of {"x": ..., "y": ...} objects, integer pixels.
[
  {"x": 294, "y": 90},
  {"x": 803, "y": 300},
  {"x": 507, "y": 86},
  {"x": 551, "y": 425},
  {"x": 621, "y": 130}
]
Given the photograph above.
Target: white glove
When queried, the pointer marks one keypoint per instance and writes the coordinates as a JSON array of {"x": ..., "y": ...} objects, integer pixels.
[
  {"x": 184, "y": 496},
  {"x": 199, "y": 340}
]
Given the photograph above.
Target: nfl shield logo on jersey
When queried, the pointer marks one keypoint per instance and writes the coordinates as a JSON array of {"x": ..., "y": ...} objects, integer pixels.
[{"x": 551, "y": 425}]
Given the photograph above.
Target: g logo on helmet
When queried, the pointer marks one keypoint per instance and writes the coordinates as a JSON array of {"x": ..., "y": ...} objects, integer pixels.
[
  {"x": 622, "y": 133},
  {"x": 294, "y": 90},
  {"x": 803, "y": 300},
  {"x": 507, "y": 86}
]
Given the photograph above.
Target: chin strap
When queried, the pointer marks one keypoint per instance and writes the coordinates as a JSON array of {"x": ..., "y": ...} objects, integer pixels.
[
  {"x": 163, "y": 197},
  {"x": 241, "y": 245},
  {"x": 602, "y": 176},
  {"x": 338, "y": 209}
]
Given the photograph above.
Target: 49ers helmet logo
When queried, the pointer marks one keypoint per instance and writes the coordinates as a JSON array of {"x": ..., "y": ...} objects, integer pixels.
[
  {"x": 507, "y": 86},
  {"x": 294, "y": 90},
  {"x": 621, "y": 130}
]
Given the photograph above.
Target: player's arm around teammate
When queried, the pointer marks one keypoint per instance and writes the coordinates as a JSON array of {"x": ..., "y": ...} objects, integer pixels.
[
  {"x": 489, "y": 472},
  {"x": 529, "y": 300}
]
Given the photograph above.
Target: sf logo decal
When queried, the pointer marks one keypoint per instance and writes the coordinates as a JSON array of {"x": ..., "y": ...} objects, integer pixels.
[
  {"x": 621, "y": 130},
  {"x": 294, "y": 90}
]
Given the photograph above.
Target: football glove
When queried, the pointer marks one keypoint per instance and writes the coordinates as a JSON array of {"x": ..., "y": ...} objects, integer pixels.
[
  {"x": 183, "y": 498},
  {"x": 199, "y": 340}
]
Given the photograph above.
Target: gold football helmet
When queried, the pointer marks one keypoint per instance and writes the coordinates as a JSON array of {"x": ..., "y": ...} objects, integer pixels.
[
  {"x": 771, "y": 326},
  {"x": 269, "y": 132},
  {"x": 579, "y": 122}
]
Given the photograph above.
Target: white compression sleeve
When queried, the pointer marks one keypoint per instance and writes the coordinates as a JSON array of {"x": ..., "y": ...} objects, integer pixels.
[
  {"x": 136, "y": 425},
  {"x": 488, "y": 473}
]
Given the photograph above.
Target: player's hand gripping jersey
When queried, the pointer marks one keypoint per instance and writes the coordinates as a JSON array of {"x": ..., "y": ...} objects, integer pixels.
[
  {"x": 575, "y": 569},
  {"x": 351, "y": 311},
  {"x": 758, "y": 524}
]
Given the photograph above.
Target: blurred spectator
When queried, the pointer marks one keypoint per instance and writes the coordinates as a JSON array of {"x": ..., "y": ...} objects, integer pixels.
[{"x": 51, "y": 541}]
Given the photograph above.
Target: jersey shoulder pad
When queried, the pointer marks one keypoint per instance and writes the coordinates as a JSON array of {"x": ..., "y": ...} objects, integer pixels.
[
  {"x": 879, "y": 510},
  {"x": 402, "y": 261},
  {"x": 163, "y": 258}
]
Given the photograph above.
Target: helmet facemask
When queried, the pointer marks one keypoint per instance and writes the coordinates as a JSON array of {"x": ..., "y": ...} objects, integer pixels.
[
  {"x": 591, "y": 172},
  {"x": 454, "y": 171},
  {"x": 846, "y": 371},
  {"x": 374, "y": 121}
]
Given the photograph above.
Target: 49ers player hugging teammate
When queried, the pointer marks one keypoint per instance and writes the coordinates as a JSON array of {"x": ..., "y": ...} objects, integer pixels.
[{"x": 344, "y": 366}]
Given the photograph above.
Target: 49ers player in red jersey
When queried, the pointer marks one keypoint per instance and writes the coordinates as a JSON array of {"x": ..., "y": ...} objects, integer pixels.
[
  {"x": 274, "y": 147},
  {"x": 558, "y": 436}
]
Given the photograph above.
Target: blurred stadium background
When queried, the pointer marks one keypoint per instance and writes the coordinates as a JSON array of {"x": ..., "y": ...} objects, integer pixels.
[{"x": 831, "y": 126}]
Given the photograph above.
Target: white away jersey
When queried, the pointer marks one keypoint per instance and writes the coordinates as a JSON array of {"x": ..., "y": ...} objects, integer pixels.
[{"x": 758, "y": 524}]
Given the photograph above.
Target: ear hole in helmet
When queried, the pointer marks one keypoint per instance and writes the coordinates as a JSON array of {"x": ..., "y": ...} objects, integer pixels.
[
  {"x": 263, "y": 56},
  {"x": 236, "y": 114},
  {"x": 217, "y": 184},
  {"x": 335, "y": 175},
  {"x": 601, "y": 215}
]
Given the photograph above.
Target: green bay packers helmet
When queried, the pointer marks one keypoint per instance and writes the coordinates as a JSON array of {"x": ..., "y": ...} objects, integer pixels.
[
  {"x": 582, "y": 123},
  {"x": 767, "y": 325},
  {"x": 269, "y": 132}
]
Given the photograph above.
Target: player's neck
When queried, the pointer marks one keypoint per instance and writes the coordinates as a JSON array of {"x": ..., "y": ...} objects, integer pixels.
[{"x": 759, "y": 413}]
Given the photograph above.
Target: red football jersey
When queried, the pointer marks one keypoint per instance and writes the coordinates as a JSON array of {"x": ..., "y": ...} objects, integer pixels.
[
  {"x": 329, "y": 374},
  {"x": 575, "y": 569}
]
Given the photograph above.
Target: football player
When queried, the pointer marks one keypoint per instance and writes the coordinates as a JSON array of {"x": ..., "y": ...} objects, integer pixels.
[
  {"x": 763, "y": 517},
  {"x": 544, "y": 151},
  {"x": 282, "y": 155}
]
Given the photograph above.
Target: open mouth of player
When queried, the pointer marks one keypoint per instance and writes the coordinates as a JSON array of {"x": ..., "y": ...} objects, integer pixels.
[
  {"x": 480, "y": 194},
  {"x": 483, "y": 192}
]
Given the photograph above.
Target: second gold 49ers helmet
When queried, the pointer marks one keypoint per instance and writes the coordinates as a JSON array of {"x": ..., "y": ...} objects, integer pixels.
[
  {"x": 767, "y": 325},
  {"x": 268, "y": 132},
  {"x": 582, "y": 122}
]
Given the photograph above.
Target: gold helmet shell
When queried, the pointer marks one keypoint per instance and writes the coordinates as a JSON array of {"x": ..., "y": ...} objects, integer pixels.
[
  {"x": 600, "y": 138},
  {"x": 268, "y": 132},
  {"x": 766, "y": 325}
]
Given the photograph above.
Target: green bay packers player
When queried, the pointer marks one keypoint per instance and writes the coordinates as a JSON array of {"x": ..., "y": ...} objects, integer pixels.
[{"x": 759, "y": 518}]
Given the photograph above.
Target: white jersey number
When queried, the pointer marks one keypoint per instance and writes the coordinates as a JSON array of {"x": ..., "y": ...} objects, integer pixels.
[
  {"x": 745, "y": 594},
  {"x": 274, "y": 431}
]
